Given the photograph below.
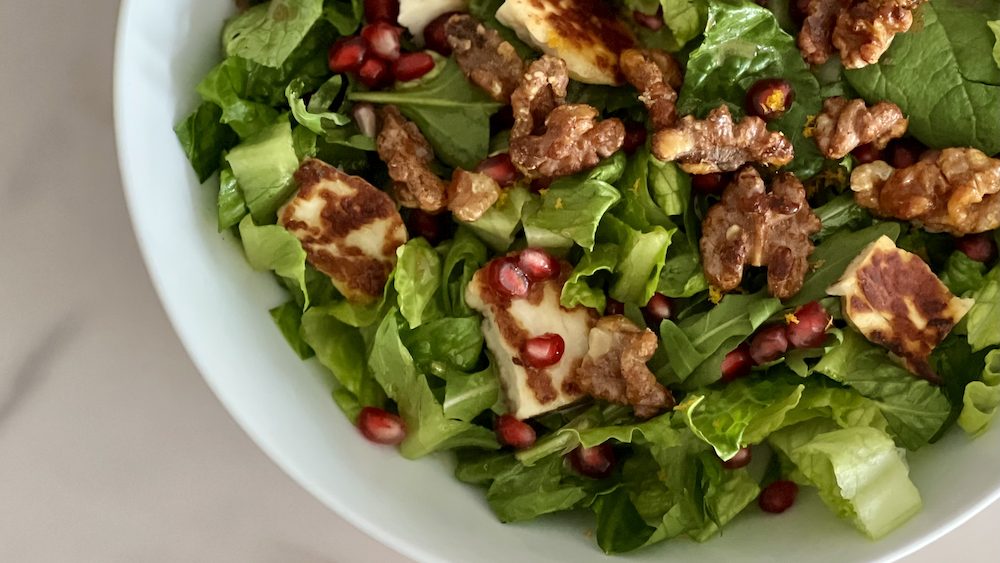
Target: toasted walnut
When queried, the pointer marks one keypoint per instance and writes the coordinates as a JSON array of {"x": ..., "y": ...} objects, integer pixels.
[
  {"x": 550, "y": 138},
  {"x": 843, "y": 126},
  {"x": 408, "y": 155},
  {"x": 752, "y": 226},
  {"x": 487, "y": 61},
  {"x": 955, "y": 193},
  {"x": 471, "y": 194},
  {"x": 716, "y": 145},
  {"x": 657, "y": 76},
  {"x": 860, "y": 30},
  {"x": 615, "y": 367}
]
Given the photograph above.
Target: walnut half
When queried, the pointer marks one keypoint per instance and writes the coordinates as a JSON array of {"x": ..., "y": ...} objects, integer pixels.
[
  {"x": 861, "y": 30},
  {"x": 615, "y": 367},
  {"x": 844, "y": 126},
  {"x": 759, "y": 228},
  {"x": 657, "y": 76},
  {"x": 955, "y": 193},
  {"x": 408, "y": 155},
  {"x": 487, "y": 61},
  {"x": 717, "y": 145}
]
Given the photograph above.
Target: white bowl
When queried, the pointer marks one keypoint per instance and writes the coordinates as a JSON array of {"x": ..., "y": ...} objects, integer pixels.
[{"x": 219, "y": 308}]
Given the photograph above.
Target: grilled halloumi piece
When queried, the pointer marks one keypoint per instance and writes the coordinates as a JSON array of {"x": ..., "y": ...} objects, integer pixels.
[
  {"x": 509, "y": 322},
  {"x": 349, "y": 229},
  {"x": 587, "y": 34},
  {"x": 894, "y": 299}
]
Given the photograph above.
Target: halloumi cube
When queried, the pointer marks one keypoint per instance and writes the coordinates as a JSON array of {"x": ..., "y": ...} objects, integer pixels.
[
  {"x": 509, "y": 322},
  {"x": 349, "y": 229},
  {"x": 894, "y": 299},
  {"x": 587, "y": 34}
]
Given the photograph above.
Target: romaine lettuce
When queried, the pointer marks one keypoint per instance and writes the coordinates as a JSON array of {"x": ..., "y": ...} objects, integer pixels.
[
  {"x": 268, "y": 33},
  {"x": 417, "y": 279},
  {"x": 264, "y": 166},
  {"x": 270, "y": 247},
  {"x": 982, "y": 398},
  {"x": 204, "y": 138}
]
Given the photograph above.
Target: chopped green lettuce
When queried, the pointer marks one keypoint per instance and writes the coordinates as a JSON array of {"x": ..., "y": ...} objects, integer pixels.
[
  {"x": 962, "y": 274},
  {"x": 232, "y": 207},
  {"x": 315, "y": 120},
  {"x": 576, "y": 290},
  {"x": 499, "y": 224},
  {"x": 981, "y": 400},
  {"x": 469, "y": 394},
  {"x": 204, "y": 139},
  {"x": 982, "y": 322},
  {"x": 448, "y": 341},
  {"x": 345, "y": 16},
  {"x": 288, "y": 318},
  {"x": 463, "y": 257},
  {"x": 418, "y": 277},
  {"x": 268, "y": 33},
  {"x": 264, "y": 166},
  {"x": 570, "y": 210},
  {"x": 270, "y": 247},
  {"x": 226, "y": 86},
  {"x": 640, "y": 259}
]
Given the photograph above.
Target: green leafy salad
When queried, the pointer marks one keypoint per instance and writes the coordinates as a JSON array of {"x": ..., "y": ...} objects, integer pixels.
[{"x": 668, "y": 261}]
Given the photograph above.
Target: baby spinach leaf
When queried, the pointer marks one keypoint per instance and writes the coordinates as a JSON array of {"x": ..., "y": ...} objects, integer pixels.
[
  {"x": 454, "y": 341},
  {"x": 743, "y": 43},
  {"x": 450, "y": 112},
  {"x": 466, "y": 395},
  {"x": 620, "y": 527},
  {"x": 418, "y": 277},
  {"x": 942, "y": 77},
  {"x": 268, "y": 33},
  {"x": 840, "y": 213}
]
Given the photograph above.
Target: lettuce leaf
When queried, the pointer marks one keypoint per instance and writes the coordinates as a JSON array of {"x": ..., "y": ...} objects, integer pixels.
[
  {"x": 620, "y": 527},
  {"x": 288, "y": 318},
  {"x": 316, "y": 120},
  {"x": 995, "y": 26},
  {"x": 642, "y": 174},
  {"x": 500, "y": 224},
  {"x": 453, "y": 114},
  {"x": 270, "y": 247},
  {"x": 841, "y": 213},
  {"x": 268, "y": 33},
  {"x": 232, "y": 207},
  {"x": 981, "y": 401},
  {"x": 467, "y": 395},
  {"x": 341, "y": 349},
  {"x": 451, "y": 341},
  {"x": 952, "y": 102},
  {"x": 914, "y": 408},
  {"x": 226, "y": 86},
  {"x": 417, "y": 279},
  {"x": 264, "y": 166},
  {"x": 576, "y": 290},
  {"x": 204, "y": 138},
  {"x": 962, "y": 274},
  {"x": 640, "y": 259},
  {"x": 570, "y": 210},
  {"x": 982, "y": 322},
  {"x": 346, "y": 15},
  {"x": 685, "y": 20},
  {"x": 859, "y": 472},
  {"x": 429, "y": 430},
  {"x": 463, "y": 257},
  {"x": 743, "y": 43}
]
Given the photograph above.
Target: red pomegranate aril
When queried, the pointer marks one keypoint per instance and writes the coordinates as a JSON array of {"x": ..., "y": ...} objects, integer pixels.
[
  {"x": 635, "y": 137},
  {"x": 651, "y": 21},
  {"x": 706, "y": 184},
  {"x": 381, "y": 427},
  {"x": 366, "y": 119},
  {"x": 507, "y": 278},
  {"x": 808, "y": 328},
  {"x": 383, "y": 38},
  {"x": 597, "y": 462},
  {"x": 867, "y": 153},
  {"x": 614, "y": 307},
  {"x": 348, "y": 54},
  {"x": 381, "y": 10},
  {"x": 435, "y": 228},
  {"x": 769, "y": 98},
  {"x": 737, "y": 363},
  {"x": 412, "y": 66},
  {"x": 500, "y": 168},
  {"x": 374, "y": 73},
  {"x": 658, "y": 309},
  {"x": 903, "y": 153},
  {"x": 798, "y": 10},
  {"x": 543, "y": 351},
  {"x": 769, "y": 344},
  {"x": 977, "y": 247},
  {"x": 741, "y": 459},
  {"x": 538, "y": 265},
  {"x": 435, "y": 37},
  {"x": 778, "y": 497},
  {"x": 513, "y": 432}
]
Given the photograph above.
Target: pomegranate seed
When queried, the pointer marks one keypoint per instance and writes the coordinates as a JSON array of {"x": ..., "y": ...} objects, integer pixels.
[
  {"x": 500, "y": 168},
  {"x": 808, "y": 330},
  {"x": 741, "y": 459},
  {"x": 867, "y": 153},
  {"x": 539, "y": 184},
  {"x": 381, "y": 427},
  {"x": 597, "y": 462},
  {"x": 977, "y": 247},
  {"x": 659, "y": 309},
  {"x": 412, "y": 66},
  {"x": 778, "y": 497},
  {"x": 538, "y": 265},
  {"x": 614, "y": 307},
  {"x": 543, "y": 351},
  {"x": 435, "y": 37},
  {"x": 507, "y": 278},
  {"x": 769, "y": 98},
  {"x": 383, "y": 39},
  {"x": 903, "y": 153},
  {"x": 502, "y": 120},
  {"x": 374, "y": 73},
  {"x": 737, "y": 363},
  {"x": 348, "y": 54},
  {"x": 769, "y": 344},
  {"x": 706, "y": 184},
  {"x": 364, "y": 116},
  {"x": 651, "y": 21},
  {"x": 435, "y": 228},
  {"x": 635, "y": 137},
  {"x": 513, "y": 432},
  {"x": 384, "y": 10}
]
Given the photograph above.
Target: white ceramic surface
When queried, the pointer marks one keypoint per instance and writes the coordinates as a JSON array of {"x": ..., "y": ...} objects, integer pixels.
[{"x": 219, "y": 308}]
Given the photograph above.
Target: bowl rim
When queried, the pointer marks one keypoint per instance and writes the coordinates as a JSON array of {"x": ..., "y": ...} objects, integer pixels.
[{"x": 388, "y": 538}]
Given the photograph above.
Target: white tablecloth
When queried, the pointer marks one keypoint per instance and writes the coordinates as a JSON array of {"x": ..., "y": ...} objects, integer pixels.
[{"x": 112, "y": 449}]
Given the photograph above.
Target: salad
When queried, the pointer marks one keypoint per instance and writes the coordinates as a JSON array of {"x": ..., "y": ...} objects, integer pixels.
[{"x": 667, "y": 261}]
